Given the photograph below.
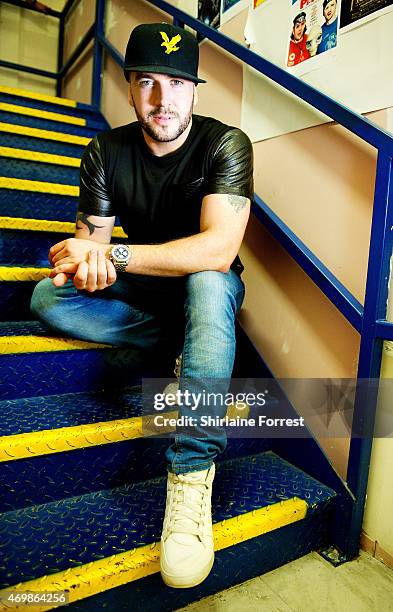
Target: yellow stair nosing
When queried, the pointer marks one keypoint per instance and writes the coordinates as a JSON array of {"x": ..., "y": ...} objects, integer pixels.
[
  {"x": 38, "y": 186},
  {"x": 24, "y": 93},
  {"x": 41, "y": 114},
  {"x": 24, "y": 130},
  {"x": 43, "y": 225},
  {"x": 74, "y": 437},
  {"x": 64, "y": 439},
  {"x": 13, "y": 345},
  {"x": 37, "y": 156},
  {"x": 23, "y": 273},
  {"x": 121, "y": 568}
]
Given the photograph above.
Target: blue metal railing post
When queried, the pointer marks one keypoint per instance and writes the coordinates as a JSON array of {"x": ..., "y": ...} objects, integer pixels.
[
  {"x": 370, "y": 354},
  {"x": 98, "y": 54}
]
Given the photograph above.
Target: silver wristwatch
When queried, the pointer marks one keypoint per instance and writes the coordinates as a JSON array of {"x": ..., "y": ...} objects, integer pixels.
[{"x": 120, "y": 255}]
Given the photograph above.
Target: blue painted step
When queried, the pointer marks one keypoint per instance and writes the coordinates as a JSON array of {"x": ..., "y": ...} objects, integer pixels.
[
  {"x": 54, "y": 126},
  {"x": 36, "y": 205},
  {"x": 42, "y": 479},
  {"x": 82, "y": 110},
  {"x": 31, "y": 374},
  {"x": 38, "y": 171},
  {"x": 49, "y": 538},
  {"x": 29, "y": 248},
  {"x": 40, "y": 144}
]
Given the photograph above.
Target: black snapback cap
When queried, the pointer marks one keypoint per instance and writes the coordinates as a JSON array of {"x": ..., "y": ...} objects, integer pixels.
[{"x": 163, "y": 48}]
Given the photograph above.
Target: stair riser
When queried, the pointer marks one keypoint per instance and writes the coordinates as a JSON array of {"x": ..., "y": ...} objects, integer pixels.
[
  {"x": 33, "y": 205},
  {"x": 90, "y": 115},
  {"x": 70, "y": 371},
  {"x": 37, "y": 171},
  {"x": 232, "y": 566},
  {"x": 38, "y": 480},
  {"x": 27, "y": 248},
  {"x": 40, "y": 144},
  {"x": 54, "y": 126},
  {"x": 15, "y": 300}
]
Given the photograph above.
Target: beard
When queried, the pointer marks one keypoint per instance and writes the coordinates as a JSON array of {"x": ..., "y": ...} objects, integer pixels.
[{"x": 165, "y": 133}]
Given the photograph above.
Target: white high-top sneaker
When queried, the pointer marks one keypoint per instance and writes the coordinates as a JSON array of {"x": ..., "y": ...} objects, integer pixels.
[{"x": 187, "y": 550}]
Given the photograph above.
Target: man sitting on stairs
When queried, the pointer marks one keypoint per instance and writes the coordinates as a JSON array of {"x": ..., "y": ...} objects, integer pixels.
[{"x": 181, "y": 186}]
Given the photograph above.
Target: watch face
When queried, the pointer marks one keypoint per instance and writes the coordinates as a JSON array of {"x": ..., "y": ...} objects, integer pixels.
[{"x": 121, "y": 253}]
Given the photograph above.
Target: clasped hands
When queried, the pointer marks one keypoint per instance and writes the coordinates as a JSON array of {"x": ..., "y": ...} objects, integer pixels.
[{"x": 84, "y": 261}]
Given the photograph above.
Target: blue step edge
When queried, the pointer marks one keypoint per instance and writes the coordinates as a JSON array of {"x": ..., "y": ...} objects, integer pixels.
[{"x": 85, "y": 525}]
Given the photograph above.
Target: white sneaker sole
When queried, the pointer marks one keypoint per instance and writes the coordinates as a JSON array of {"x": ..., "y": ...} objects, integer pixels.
[{"x": 190, "y": 581}]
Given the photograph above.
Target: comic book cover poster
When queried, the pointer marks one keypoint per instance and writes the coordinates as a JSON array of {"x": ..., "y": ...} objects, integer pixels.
[
  {"x": 357, "y": 12},
  {"x": 313, "y": 31}
]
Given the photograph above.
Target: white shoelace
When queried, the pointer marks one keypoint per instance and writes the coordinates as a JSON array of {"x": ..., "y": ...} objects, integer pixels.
[{"x": 188, "y": 506}]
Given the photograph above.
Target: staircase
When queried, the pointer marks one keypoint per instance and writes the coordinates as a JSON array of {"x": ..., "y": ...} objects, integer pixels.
[{"x": 83, "y": 491}]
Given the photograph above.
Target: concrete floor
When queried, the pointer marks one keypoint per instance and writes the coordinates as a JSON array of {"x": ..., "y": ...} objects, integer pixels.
[{"x": 310, "y": 584}]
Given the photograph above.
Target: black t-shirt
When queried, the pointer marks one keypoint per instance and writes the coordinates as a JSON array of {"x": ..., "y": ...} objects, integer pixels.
[{"x": 158, "y": 199}]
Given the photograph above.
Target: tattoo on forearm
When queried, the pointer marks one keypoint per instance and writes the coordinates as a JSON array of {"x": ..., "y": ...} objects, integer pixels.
[
  {"x": 83, "y": 218},
  {"x": 238, "y": 202}
]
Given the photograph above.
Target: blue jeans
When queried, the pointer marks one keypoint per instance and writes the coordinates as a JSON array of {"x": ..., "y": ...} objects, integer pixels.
[{"x": 199, "y": 322}]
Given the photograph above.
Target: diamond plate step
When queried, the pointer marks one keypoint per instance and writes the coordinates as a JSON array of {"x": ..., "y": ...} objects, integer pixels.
[
  {"x": 36, "y": 171},
  {"x": 45, "y": 124},
  {"x": 52, "y": 147},
  {"x": 30, "y": 248},
  {"x": 35, "y": 205},
  {"x": 35, "y": 361},
  {"x": 98, "y": 541},
  {"x": 80, "y": 433},
  {"x": 50, "y": 103},
  {"x": 53, "y": 115}
]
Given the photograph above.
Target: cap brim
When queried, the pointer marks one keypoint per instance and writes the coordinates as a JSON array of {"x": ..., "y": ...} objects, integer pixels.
[{"x": 164, "y": 70}]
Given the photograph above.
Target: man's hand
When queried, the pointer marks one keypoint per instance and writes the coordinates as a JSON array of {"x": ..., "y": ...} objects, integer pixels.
[
  {"x": 73, "y": 251},
  {"x": 96, "y": 273}
]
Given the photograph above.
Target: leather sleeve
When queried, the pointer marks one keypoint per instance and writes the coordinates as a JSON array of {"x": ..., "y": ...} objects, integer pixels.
[
  {"x": 232, "y": 168},
  {"x": 94, "y": 197}
]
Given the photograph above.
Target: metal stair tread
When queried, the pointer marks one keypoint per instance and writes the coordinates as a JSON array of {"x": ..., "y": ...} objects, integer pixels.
[
  {"x": 41, "y": 145},
  {"x": 32, "y": 170},
  {"x": 32, "y": 337},
  {"x": 25, "y": 96},
  {"x": 84, "y": 111},
  {"x": 26, "y": 415},
  {"x": 47, "y": 124},
  {"x": 82, "y": 529},
  {"x": 20, "y": 224},
  {"x": 54, "y": 115}
]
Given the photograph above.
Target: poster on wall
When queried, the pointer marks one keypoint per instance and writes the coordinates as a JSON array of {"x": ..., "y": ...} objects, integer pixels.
[
  {"x": 313, "y": 33},
  {"x": 356, "y": 12},
  {"x": 257, "y": 3},
  {"x": 209, "y": 12},
  {"x": 357, "y": 81},
  {"x": 231, "y": 8}
]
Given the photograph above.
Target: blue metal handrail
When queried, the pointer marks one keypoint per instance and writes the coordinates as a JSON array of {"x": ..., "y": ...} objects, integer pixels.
[{"x": 369, "y": 319}]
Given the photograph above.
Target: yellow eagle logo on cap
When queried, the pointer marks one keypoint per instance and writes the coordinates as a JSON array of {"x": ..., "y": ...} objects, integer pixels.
[{"x": 170, "y": 44}]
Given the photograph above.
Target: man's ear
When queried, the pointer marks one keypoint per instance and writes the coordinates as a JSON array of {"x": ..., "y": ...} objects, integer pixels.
[{"x": 195, "y": 95}]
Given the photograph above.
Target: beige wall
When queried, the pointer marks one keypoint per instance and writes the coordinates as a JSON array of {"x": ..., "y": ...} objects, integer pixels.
[
  {"x": 320, "y": 181},
  {"x": 29, "y": 38},
  {"x": 77, "y": 85}
]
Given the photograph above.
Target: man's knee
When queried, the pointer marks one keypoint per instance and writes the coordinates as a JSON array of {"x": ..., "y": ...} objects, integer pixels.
[
  {"x": 45, "y": 300},
  {"x": 207, "y": 283},
  {"x": 214, "y": 289}
]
